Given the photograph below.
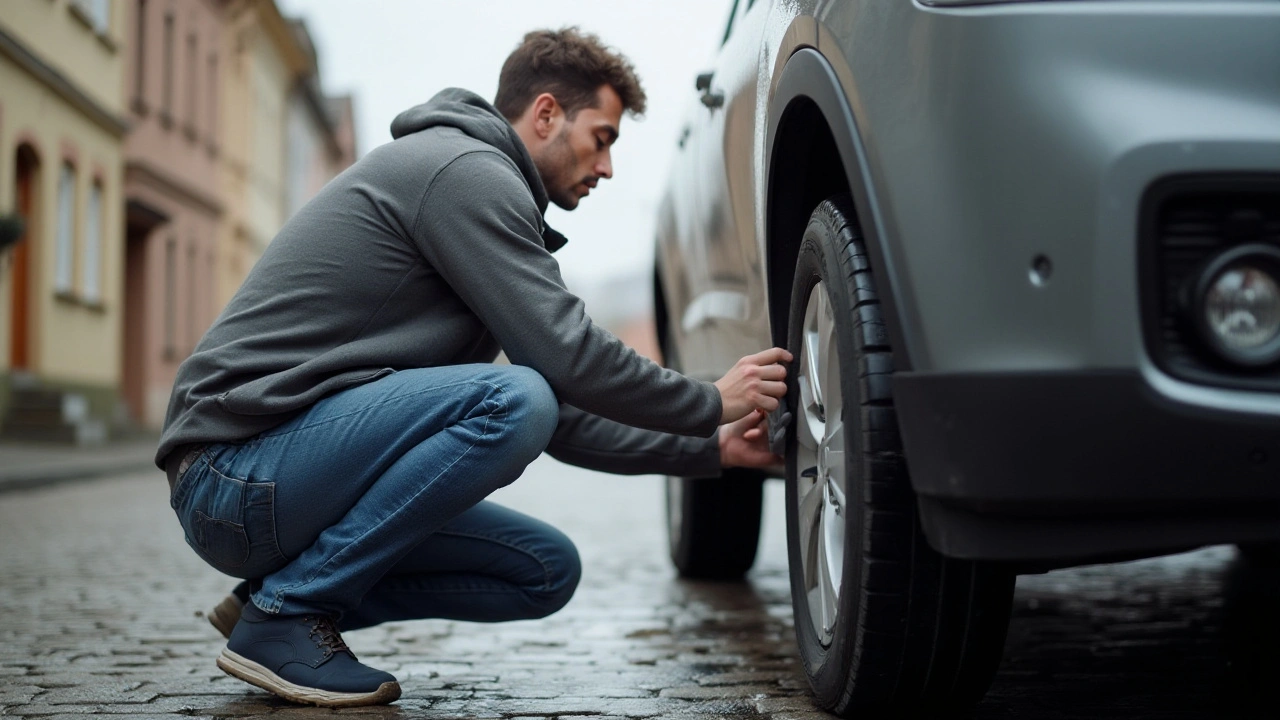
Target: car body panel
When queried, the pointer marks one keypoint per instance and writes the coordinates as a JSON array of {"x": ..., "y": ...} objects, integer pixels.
[{"x": 978, "y": 140}]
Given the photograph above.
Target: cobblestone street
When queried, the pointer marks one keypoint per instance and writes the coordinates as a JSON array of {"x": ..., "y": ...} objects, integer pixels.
[{"x": 102, "y": 602}]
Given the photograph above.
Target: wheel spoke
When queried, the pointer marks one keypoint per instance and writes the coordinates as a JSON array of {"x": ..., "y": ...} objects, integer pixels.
[
  {"x": 808, "y": 427},
  {"x": 835, "y": 466},
  {"x": 833, "y": 436},
  {"x": 813, "y": 357},
  {"x": 811, "y": 503},
  {"x": 825, "y": 594},
  {"x": 832, "y": 400},
  {"x": 814, "y": 360},
  {"x": 809, "y": 514}
]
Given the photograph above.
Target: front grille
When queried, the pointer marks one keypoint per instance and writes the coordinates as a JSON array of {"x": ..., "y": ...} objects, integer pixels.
[{"x": 1186, "y": 222}]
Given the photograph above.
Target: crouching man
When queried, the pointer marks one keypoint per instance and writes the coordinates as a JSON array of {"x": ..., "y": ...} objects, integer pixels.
[{"x": 333, "y": 436}]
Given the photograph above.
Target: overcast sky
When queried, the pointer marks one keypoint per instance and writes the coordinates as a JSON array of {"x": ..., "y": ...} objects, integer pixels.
[{"x": 392, "y": 54}]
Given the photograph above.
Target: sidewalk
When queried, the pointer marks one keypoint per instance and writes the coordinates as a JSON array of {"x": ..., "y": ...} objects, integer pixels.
[{"x": 29, "y": 464}]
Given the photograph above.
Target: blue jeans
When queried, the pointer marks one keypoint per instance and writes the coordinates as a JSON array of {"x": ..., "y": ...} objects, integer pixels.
[{"x": 369, "y": 505}]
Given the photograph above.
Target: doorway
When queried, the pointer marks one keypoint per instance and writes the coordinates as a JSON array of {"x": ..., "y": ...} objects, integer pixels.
[
  {"x": 26, "y": 185},
  {"x": 140, "y": 344}
]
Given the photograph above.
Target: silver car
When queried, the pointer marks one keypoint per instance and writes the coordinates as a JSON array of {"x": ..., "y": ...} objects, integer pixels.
[{"x": 1027, "y": 256}]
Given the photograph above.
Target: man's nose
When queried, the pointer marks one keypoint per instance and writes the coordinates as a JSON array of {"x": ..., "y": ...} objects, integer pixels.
[{"x": 604, "y": 168}]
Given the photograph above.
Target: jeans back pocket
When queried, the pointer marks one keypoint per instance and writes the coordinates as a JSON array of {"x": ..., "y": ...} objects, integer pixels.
[
  {"x": 213, "y": 518},
  {"x": 229, "y": 522}
]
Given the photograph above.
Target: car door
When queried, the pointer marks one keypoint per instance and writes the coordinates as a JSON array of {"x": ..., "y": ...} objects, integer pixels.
[
  {"x": 729, "y": 314},
  {"x": 679, "y": 246}
]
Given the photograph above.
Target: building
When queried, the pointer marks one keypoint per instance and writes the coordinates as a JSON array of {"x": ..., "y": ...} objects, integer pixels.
[
  {"x": 175, "y": 62},
  {"x": 266, "y": 60},
  {"x": 62, "y": 126},
  {"x": 154, "y": 148},
  {"x": 316, "y": 152},
  {"x": 231, "y": 135}
]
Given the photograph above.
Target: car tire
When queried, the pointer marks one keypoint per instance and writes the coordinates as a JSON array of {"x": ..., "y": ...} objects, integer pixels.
[
  {"x": 895, "y": 628},
  {"x": 1267, "y": 554},
  {"x": 713, "y": 524}
]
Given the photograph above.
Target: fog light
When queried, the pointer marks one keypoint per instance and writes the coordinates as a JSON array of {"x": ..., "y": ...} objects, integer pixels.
[{"x": 1238, "y": 303}]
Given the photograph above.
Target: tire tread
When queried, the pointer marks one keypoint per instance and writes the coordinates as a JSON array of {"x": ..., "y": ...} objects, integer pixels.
[{"x": 931, "y": 630}]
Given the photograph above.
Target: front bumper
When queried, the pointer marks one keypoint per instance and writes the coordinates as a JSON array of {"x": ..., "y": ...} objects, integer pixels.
[{"x": 1063, "y": 468}]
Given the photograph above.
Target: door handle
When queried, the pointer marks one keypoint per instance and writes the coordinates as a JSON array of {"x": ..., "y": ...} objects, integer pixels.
[{"x": 709, "y": 98}]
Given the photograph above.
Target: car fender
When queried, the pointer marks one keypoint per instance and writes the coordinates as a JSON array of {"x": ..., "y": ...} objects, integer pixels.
[{"x": 808, "y": 75}]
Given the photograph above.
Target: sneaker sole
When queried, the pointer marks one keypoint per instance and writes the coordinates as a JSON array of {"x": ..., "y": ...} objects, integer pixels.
[
  {"x": 255, "y": 674},
  {"x": 226, "y": 614}
]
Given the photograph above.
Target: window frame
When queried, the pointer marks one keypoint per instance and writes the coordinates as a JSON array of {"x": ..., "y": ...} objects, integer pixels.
[
  {"x": 64, "y": 241},
  {"x": 91, "y": 244}
]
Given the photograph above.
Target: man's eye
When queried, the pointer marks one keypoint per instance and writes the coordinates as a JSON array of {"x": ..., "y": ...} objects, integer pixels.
[{"x": 599, "y": 144}]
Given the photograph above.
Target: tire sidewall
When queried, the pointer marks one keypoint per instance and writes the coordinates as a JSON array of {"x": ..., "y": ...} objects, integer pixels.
[{"x": 818, "y": 260}]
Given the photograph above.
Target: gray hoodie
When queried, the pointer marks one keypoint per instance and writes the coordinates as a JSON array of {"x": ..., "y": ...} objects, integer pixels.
[{"x": 432, "y": 250}]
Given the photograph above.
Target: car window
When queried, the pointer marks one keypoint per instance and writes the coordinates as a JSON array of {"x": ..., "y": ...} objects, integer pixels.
[{"x": 733, "y": 13}]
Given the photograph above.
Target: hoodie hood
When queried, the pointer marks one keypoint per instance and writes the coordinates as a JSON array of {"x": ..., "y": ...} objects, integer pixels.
[{"x": 475, "y": 116}]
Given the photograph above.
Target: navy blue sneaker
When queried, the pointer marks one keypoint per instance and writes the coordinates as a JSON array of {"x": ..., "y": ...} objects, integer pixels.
[
  {"x": 302, "y": 658},
  {"x": 226, "y": 614}
]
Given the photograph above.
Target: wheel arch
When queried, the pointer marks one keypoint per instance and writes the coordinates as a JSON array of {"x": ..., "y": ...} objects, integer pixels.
[{"x": 816, "y": 151}]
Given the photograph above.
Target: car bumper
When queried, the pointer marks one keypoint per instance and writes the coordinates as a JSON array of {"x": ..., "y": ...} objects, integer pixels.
[
  {"x": 1063, "y": 468},
  {"x": 1024, "y": 135}
]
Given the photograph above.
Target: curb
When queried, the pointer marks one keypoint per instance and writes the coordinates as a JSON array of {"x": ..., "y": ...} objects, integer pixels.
[{"x": 46, "y": 477}]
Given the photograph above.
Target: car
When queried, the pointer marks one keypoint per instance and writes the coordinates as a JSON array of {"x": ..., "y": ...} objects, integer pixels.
[{"x": 1026, "y": 254}]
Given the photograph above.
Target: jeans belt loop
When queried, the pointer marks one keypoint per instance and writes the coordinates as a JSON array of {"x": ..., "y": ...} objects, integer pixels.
[{"x": 189, "y": 459}]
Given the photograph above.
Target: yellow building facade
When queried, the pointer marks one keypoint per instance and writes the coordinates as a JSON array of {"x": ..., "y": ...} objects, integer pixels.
[
  {"x": 265, "y": 64},
  {"x": 61, "y": 169}
]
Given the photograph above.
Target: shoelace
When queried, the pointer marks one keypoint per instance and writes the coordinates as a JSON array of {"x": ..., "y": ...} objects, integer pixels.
[{"x": 325, "y": 634}]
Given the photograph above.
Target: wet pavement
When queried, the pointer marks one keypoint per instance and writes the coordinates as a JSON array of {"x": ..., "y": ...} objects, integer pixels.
[{"x": 101, "y": 613}]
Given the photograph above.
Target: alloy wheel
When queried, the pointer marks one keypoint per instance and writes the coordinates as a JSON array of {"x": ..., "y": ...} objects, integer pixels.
[{"x": 822, "y": 506}]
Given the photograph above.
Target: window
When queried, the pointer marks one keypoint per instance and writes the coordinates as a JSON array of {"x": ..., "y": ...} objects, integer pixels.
[
  {"x": 192, "y": 69},
  {"x": 166, "y": 99},
  {"x": 170, "y": 299},
  {"x": 91, "y": 246},
  {"x": 98, "y": 13},
  {"x": 64, "y": 260},
  {"x": 140, "y": 43},
  {"x": 193, "y": 293},
  {"x": 211, "y": 125}
]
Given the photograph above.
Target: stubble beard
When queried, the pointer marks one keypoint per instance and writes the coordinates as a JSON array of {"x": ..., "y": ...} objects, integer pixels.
[{"x": 556, "y": 166}]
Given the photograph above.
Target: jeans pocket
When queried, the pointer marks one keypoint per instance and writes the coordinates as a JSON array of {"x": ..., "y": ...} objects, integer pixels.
[
  {"x": 212, "y": 513},
  {"x": 224, "y": 543},
  {"x": 230, "y": 522}
]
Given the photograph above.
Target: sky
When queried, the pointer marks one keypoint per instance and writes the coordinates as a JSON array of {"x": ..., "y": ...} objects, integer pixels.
[{"x": 393, "y": 54}]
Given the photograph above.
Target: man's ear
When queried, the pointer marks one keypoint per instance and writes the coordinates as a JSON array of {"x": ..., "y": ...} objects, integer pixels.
[{"x": 547, "y": 115}]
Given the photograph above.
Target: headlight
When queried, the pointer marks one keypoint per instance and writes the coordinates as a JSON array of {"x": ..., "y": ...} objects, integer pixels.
[{"x": 1236, "y": 305}]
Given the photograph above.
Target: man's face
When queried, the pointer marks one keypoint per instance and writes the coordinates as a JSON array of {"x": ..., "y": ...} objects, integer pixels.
[{"x": 578, "y": 157}]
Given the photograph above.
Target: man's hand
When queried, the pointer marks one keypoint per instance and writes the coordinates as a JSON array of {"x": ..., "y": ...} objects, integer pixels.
[
  {"x": 754, "y": 383},
  {"x": 745, "y": 443}
]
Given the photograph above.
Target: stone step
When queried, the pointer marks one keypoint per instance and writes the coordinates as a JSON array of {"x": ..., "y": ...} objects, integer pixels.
[
  {"x": 40, "y": 432},
  {"x": 35, "y": 399}
]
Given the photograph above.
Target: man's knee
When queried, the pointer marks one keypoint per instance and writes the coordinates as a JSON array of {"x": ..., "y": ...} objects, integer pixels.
[
  {"x": 533, "y": 405},
  {"x": 564, "y": 570}
]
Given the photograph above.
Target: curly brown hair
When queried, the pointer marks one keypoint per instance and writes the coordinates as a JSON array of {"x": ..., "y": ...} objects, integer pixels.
[{"x": 569, "y": 64}]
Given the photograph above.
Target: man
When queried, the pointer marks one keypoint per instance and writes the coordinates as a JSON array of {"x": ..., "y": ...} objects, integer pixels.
[{"x": 333, "y": 435}]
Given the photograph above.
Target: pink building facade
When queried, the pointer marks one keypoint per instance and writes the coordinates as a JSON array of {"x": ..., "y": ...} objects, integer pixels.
[
  {"x": 176, "y": 57},
  {"x": 229, "y": 136}
]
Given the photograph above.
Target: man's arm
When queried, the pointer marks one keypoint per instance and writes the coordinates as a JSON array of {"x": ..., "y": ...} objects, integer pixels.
[
  {"x": 479, "y": 228},
  {"x": 596, "y": 443}
]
